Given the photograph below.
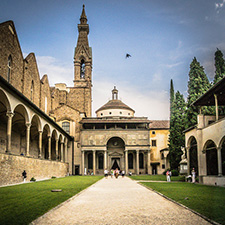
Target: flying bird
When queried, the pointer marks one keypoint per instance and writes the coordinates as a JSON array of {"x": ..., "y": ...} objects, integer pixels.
[{"x": 128, "y": 55}]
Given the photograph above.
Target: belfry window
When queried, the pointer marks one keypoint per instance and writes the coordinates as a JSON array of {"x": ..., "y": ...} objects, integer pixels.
[
  {"x": 82, "y": 69},
  {"x": 9, "y": 65}
]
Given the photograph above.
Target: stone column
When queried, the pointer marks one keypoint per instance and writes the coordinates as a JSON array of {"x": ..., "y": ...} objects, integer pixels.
[
  {"x": 126, "y": 161},
  {"x": 82, "y": 162},
  {"x": 94, "y": 166},
  {"x": 56, "y": 149},
  {"x": 148, "y": 162},
  {"x": 219, "y": 158},
  {"x": 9, "y": 131},
  {"x": 105, "y": 159},
  {"x": 40, "y": 144},
  {"x": 28, "y": 125},
  {"x": 66, "y": 151},
  {"x": 137, "y": 162},
  {"x": 49, "y": 147},
  {"x": 62, "y": 158}
]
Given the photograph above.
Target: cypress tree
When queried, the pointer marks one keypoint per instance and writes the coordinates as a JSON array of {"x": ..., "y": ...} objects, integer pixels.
[
  {"x": 198, "y": 84},
  {"x": 171, "y": 95},
  {"x": 177, "y": 125},
  {"x": 219, "y": 66}
]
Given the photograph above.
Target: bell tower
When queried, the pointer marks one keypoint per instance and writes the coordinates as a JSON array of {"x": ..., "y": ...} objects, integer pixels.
[
  {"x": 82, "y": 90},
  {"x": 83, "y": 55}
]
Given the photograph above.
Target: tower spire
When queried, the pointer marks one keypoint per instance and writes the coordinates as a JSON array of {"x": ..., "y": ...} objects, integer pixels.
[{"x": 83, "y": 17}]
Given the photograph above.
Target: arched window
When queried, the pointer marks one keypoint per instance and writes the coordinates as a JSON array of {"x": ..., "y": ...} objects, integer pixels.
[
  {"x": 66, "y": 127},
  {"x": 9, "y": 65},
  {"x": 82, "y": 69},
  {"x": 100, "y": 161},
  {"x": 90, "y": 161},
  {"x": 141, "y": 161},
  {"x": 130, "y": 161},
  {"x": 32, "y": 91}
]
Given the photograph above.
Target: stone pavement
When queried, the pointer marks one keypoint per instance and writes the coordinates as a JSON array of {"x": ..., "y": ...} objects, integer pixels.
[{"x": 119, "y": 201}]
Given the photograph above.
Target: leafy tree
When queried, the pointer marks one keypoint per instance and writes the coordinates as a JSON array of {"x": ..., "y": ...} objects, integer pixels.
[
  {"x": 177, "y": 125},
  {"x": 198, "y": 84},
  {"x": 219, "y": 66}
]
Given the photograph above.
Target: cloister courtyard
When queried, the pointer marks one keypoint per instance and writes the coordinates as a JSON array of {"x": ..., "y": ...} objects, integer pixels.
[{"x": 97, "y": 200}]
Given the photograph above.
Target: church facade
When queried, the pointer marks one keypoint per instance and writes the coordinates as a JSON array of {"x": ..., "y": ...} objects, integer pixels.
[{"x": 49, "y": 131}]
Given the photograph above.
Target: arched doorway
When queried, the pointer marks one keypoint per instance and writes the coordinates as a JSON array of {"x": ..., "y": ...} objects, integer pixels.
[
  {"x": 211, "y": 158},
  {"x": 193, "y": 155},
  {"x": 115, "y": 148}
]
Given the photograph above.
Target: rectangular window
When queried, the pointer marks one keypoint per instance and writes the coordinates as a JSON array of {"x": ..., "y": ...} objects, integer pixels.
[
  {"x": 66, "y": 127},
  {"x": 153, "y": 143},
  {"x": 163, "y": 166}
]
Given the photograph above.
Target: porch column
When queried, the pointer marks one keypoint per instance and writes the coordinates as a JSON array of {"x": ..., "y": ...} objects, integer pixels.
[
  {"x": 9, "y": 131},
  {"x": 126, "y": 161},
  {"x": 216, "y": 105},
  {"x": 62, "y": 158},
  {"x": 49, "y": 147},
  {"x": 94, "y": 166},
  {"x": 82, "y": 162},
  {"x": 219, "y": 158},
  {"x": 137, "y": 162},
  {"x": 105, "y": 159},
  {"x": 148, "y": 162},
  {"x": 56, "y": 149},
  {"x": 40, "y": 144},
  {"x": 28, "y": 139},
  {"x": 66, "y": 151}
]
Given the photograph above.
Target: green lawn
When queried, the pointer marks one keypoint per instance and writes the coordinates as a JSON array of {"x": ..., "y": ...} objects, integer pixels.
[
  {"x": 157, "y": 177},
  {"x": 207, "y": 200},
  {"x": 21, "y": 204}
]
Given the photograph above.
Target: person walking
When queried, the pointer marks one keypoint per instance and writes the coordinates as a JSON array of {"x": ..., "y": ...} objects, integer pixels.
[
  {"x": 24, "y": 174},
  {"x": 106, "y": 173},
  {"x": 112, "y": 173},
  {"x": 168, "y": 175}
]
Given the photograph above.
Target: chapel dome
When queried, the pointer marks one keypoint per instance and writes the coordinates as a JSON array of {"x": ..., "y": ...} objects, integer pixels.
[{"x": 115, "y": 108}]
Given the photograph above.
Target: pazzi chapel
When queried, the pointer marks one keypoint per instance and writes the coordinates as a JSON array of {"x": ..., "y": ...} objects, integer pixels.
[{"x": 49, "y": 131}]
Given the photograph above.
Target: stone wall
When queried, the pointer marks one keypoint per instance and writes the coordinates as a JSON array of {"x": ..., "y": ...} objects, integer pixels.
[{"x": 11, "y": 168}]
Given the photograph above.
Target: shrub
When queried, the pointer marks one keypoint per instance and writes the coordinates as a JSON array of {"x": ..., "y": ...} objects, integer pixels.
[
  {"x": 53, "y": 177},
  {"x": 174, "y": 173},
  {"x": 33, "y": 179}
]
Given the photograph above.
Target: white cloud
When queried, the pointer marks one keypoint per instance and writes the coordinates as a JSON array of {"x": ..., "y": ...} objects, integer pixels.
[
  {"x": 152, "y": 104},
  {"x": 57, "y": 71}
]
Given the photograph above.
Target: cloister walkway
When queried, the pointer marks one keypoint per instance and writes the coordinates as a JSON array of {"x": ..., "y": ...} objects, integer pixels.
[{"x": 119, "y": 201}]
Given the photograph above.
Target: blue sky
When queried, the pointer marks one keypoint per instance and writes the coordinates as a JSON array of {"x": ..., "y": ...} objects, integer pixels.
[{"x": 162, "y": 36}]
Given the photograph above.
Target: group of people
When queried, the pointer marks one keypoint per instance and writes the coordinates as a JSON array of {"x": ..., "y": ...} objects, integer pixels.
[
  {"x": 169, "y": 174},
  {"x": 114, "y": 173}
]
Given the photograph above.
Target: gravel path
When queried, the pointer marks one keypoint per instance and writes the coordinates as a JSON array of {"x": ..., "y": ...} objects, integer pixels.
[{"x": 119, "y": 201}]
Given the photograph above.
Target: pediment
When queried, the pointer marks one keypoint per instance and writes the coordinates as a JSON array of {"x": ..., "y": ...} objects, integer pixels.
[
  {"x": 115, "y": 154},
  {"x": 82, "y": 51}
]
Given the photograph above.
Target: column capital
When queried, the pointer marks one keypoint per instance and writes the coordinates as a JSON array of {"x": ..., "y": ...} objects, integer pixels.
[
  {"x": 28, "y": 125},
  {"x": 40, "y": 131},
  {"x": 10, "y": 114},
  {"x": 137, "y": 151},
  {"x": 219, "y": 148}
]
